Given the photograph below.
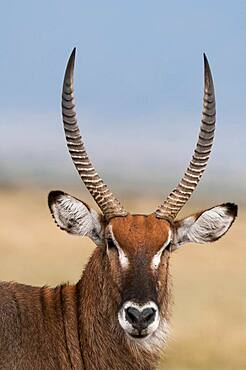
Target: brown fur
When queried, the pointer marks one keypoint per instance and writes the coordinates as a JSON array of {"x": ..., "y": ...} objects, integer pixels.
[
  {"x": 135, "y": 232},
  {"x": 141, "y": 237},
  {"x": 76, "y": 327}
]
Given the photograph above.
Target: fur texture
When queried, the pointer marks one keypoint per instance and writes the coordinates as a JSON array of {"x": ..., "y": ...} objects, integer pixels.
[{"x": 77, "y": 326}]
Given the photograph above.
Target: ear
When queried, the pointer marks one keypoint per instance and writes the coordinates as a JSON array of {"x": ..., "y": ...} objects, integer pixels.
[
  {"x": 75, "y": 217},
  {"x": 206, "y": 226}
]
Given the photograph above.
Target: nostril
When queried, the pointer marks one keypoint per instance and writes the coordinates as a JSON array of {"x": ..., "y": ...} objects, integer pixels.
[
  {"x": 140, "y": 319},
  {"x": 148, "y": 315},
  {"x": 133, "y": 315}
]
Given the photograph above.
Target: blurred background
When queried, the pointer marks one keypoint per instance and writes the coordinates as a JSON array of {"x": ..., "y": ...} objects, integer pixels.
[{"x": 139, "y": 82}]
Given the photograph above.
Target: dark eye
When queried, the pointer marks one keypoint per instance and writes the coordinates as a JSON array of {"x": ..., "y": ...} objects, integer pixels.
[
  {"x": 169, "y": 247},
  {"x": 111, "y": 244}
]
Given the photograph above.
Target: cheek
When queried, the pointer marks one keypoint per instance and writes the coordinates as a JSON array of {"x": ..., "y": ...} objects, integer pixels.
[
  {"x": 163, "y": 276},
  {"x": 115, "y": 268}
]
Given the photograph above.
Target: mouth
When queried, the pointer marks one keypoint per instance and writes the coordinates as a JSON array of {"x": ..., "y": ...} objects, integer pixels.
[{"x": 139, "y": 335}]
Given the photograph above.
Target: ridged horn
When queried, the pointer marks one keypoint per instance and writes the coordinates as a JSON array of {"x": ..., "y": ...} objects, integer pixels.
[
  {"x": 109, "y": 205},
  {"x": 180, "y": 195}
]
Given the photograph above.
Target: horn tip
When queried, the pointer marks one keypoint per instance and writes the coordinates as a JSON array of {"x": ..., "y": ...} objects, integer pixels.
[
  {"x": 206, "y": 64},
  {"x": 70, "y": 66},
  {"x": 73, "y": 52},
  {"x": 72, "y": 56},
  {"x": 207, "y": 73}
]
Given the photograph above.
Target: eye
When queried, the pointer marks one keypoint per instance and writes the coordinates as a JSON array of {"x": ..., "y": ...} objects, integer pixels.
[
  {"x": 169, "y": 247},
  {"x": 111, "y": 245}
]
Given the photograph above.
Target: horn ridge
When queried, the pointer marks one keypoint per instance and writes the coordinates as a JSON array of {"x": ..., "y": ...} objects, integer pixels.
[
  {"x": 109, "y": 205},
  {"x": 183, "y": 191}
]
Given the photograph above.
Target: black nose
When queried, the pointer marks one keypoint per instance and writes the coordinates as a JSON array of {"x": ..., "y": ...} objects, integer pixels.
[{"x": 140, "y": 319}]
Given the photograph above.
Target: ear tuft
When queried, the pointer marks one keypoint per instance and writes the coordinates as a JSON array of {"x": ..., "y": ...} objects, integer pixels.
[
  {"x": 53, "y": 197},
  {"x": 232, "y": 209}
]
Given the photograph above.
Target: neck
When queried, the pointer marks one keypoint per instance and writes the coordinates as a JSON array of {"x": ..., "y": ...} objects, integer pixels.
[{"x": 103, "y": 342}]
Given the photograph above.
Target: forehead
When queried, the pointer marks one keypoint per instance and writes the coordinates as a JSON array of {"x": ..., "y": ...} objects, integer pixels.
[{"x": 139, "y": 231}]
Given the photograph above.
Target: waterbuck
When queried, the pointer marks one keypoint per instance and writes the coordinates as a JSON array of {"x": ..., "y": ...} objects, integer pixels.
[{"x": 116, "y": 316}]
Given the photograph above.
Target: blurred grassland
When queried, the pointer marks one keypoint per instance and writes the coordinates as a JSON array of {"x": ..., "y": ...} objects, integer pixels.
[{"x": 209, "y": 282}]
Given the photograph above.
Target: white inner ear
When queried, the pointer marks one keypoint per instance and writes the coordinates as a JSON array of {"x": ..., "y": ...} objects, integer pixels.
[
  {"x": 124, "y": 260},
  {"x": 157, "y": 257},
  {"x": 73, "y": 216},
  {"x": 209, "y": 226}
]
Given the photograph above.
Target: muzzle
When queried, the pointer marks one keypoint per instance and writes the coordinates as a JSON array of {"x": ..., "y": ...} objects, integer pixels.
[{"x": 139, "y": 320}]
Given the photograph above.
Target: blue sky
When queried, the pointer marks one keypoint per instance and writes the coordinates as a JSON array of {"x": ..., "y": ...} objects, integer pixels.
[{"x": 138, "y": 86}]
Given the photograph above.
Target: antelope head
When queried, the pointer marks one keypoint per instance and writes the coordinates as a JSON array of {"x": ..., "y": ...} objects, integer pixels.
[{"x": 138, "y": 247}]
